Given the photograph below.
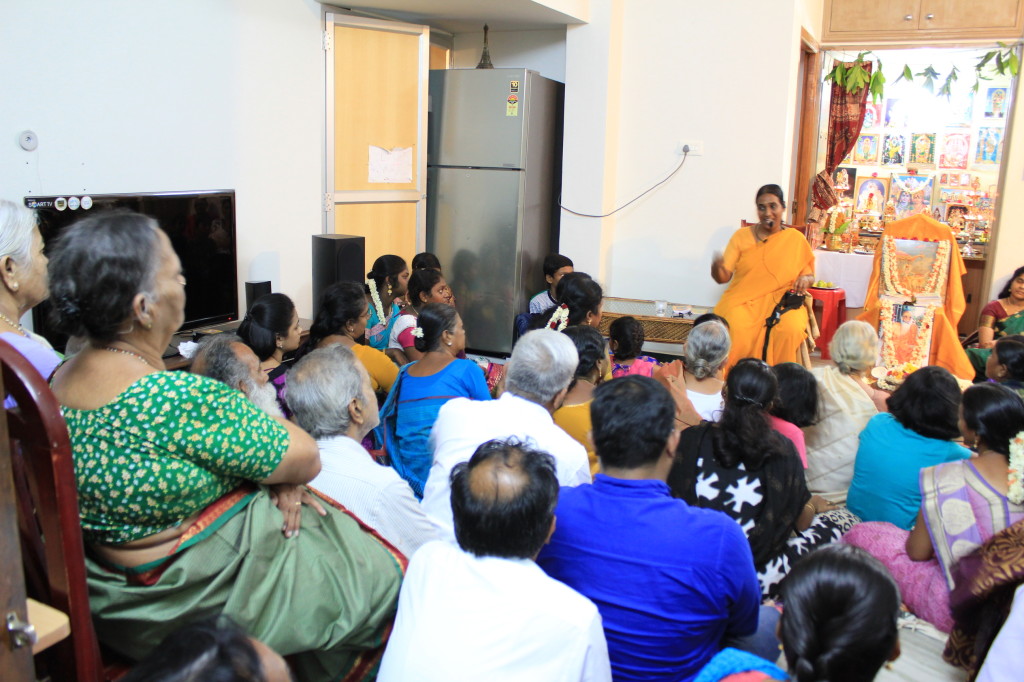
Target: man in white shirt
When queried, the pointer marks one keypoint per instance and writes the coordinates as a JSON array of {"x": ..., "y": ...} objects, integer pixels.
[
  {"x": 486, "y": 611},
  {"x": 330, "y": 396},
  {"x": 537, "y": 378}
]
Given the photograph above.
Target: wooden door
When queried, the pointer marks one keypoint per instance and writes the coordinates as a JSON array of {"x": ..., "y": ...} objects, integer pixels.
[{"x": 376, "y": 133}]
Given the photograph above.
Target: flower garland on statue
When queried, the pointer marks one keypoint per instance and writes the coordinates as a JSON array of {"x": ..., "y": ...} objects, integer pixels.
[
  {"x": 1016, "y": 470},
  {"x": 377, "y": 305},
  {"x": 934, "y": 284},
  {"x": 560, "y": 318}
]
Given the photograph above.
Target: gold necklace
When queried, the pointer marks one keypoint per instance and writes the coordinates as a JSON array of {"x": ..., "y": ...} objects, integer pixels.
[
  {"x": 122, "y": 351},
  {"x": 14, "y": 324}
]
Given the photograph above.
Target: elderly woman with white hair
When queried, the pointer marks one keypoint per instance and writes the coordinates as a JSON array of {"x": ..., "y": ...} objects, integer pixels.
[
  {"x": 23, "y": 284},
  {"x": 846, "y": 401},
  {"x": 707, "y": 349}
]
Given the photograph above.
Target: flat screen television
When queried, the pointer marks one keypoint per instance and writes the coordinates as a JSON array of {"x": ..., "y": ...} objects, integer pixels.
[{"x": 201, "y": 227}]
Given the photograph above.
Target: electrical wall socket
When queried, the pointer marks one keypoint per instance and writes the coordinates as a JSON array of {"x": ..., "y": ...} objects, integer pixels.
[{"x": 696, "y": 148}]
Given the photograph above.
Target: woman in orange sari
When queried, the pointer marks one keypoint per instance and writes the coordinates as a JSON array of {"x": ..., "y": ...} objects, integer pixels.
[{"x": 761, "y": 263}]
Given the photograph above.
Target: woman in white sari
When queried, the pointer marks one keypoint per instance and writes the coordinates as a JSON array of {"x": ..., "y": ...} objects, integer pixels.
[{"x": 846, "y": 402}]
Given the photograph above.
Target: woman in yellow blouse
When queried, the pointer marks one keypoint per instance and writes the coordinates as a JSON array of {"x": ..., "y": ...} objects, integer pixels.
[
  {"x": 574, "y": 414},
  {"x": 342, "y": 317},
  {"x": 761, "y": 263}
]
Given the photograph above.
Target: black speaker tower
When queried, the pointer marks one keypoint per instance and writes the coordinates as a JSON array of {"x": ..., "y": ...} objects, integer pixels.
[{"x": 336, "y": 258}]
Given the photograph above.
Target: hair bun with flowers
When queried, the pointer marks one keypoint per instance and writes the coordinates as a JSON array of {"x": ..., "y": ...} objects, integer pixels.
[
  {"x": 417, "y": 332},
  {"x": 559, "y": 318},
  {"x": 1015, "y": 471}
]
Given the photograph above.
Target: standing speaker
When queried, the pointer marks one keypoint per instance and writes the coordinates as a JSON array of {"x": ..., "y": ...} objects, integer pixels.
[
  {"x": 254, "y": 290},
  {"x": 336, "y": 258}
]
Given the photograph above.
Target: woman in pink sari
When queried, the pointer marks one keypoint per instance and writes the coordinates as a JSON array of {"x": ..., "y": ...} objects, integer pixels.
[{"x": 963, "y": 504}]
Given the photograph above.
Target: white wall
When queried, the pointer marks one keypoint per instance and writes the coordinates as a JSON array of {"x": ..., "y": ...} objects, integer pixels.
[
  {"x": 542, "y": 51},
  {"x": 130, "y": 96},
  {"x": 640, "y": 78}
]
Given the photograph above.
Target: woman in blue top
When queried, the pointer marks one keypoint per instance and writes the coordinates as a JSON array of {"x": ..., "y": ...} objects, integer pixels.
[
  {"x": 388, "y": 281},
  {"x": 917, "y": 432},
  {"x": 423, "y": 387}
]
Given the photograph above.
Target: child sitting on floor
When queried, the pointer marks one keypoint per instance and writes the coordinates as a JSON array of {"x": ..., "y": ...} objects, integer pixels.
[{"x": 626, "y": 341}]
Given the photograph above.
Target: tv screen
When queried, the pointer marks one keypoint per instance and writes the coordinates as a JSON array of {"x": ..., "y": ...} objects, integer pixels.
[{"x": 201, "y": 227}]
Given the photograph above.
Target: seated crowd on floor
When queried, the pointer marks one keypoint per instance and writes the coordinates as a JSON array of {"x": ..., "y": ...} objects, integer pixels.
[{"x": 367, "y": 504}]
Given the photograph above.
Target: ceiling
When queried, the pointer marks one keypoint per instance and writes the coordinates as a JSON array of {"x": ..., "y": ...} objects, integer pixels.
[{"x": 465, "y": 16}]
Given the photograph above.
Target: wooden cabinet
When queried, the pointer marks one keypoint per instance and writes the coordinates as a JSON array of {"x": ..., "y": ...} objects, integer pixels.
[
  {"x": 873, "y": 21},
  {"x": 974, "y": 295}
]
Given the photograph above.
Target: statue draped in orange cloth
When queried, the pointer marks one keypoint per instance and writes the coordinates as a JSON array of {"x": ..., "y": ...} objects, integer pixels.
[
  {"x": 761, "y": 263},
  {"x": 946, "y": 350}
]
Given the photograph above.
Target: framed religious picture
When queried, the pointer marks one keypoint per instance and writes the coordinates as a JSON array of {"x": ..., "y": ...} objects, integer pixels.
[
  {"x": 872, "y": 116},
  {"x": 870, "y": 195},
  {"x": 844, "y": 180},
  {"x": 894, "y": 149},
  {"x": 989, "y": 149},
  {"x": 947, "y": 196},
  {"x": 995, "y": 103},
  {"x": 954, "y": 150},
  {"x": 911, "y": 194},
  {"x": 944, "y": 179},
  {"x": 866, "y": 149},
  {"x": 922, "y": 149},
  {"x": 896, "y": 113},
  {"x": 965, "y": 181},
  {"x": 954, "y": 179},
  {"x": 906, "y": 334},
  {"x": 912, "y": 268}
]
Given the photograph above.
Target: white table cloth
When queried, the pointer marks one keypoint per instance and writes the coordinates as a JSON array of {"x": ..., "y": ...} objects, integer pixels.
[{"x": 849, "y": 271}]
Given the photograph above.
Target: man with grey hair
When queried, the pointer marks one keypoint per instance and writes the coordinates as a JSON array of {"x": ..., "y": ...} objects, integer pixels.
[
  {"x": 226, "y": 358},
  {"x": 330, "y": 396},
  {"x": 537, "y": 378}
]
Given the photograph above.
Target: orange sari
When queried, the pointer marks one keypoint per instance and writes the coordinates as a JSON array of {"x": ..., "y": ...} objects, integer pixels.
[
  {"x": 762, "y": 272},
  {"x": 946, "y": 350}
]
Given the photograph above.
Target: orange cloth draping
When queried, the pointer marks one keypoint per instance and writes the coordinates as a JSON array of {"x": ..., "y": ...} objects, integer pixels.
[
  {"x": 946, "y": 350},
  {"x": 762, "y": 272}
]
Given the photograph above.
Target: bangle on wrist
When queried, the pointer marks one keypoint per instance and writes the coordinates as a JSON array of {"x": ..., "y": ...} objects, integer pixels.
[{"x": 810, "y": 505}]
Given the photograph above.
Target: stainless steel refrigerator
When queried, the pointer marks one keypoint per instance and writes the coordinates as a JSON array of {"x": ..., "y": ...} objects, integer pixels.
[{"x": 494, "y": 170}]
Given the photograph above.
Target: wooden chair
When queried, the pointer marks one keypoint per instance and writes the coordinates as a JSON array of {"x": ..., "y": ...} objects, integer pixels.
[{"x": 53, "y": 553}]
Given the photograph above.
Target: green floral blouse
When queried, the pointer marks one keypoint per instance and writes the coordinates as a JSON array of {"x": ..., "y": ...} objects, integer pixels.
[{"x": 164, "y": 449}]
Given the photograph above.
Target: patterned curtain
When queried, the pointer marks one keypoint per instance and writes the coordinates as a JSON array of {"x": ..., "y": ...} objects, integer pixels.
[{"x": 845, "y": 119}]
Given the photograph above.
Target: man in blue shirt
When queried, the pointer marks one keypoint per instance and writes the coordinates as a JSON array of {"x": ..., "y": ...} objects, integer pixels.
[{"x": 672, "y": 582}]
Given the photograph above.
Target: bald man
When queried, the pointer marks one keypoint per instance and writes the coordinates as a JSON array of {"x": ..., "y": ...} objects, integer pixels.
[{"x": 484, "y": 610}]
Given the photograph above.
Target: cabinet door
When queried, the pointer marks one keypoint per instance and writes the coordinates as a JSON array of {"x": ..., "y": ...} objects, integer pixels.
[
  {"x": 968, "y": 14},
  {"x": 858, "y": 16}
]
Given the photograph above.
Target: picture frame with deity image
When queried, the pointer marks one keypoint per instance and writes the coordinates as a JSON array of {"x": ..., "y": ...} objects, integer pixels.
[
  {"x": 905, "y": 331},
  {"x": 894, "y": 149},
  {"x": 922, "y": 150},
  {"x": 870, "y": 195},
  {"x": 872, "y": 116},
  {"x": 995, "y": 102},
  {"x": 866, "y": 149},
  {"x": 911, "y": 194},
  {"x": 989, "y": 148},
  {"x": 955, "y": 150},
  {"x": 911, "y": 268},
  {"x": 844, "y": 180},
  {"x": 897, "y": 113}
]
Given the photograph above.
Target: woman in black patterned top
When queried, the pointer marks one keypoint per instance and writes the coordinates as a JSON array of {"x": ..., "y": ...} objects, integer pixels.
[{"x": 742, "y": 467}]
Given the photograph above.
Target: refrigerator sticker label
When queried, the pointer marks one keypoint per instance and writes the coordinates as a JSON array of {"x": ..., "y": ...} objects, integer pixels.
[
  {"x": 512, "y": 106},
  {"x": 513, "y": 86}
]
